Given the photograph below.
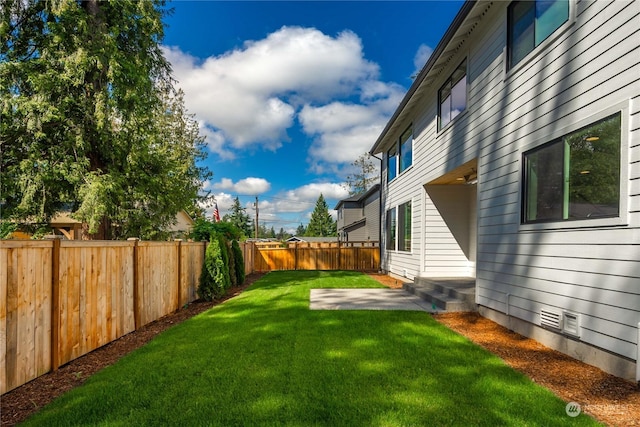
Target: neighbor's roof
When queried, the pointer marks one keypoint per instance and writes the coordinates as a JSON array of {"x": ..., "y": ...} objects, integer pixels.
[
  {"x": 460, "y": 29},
  {"x": 359, "y": 197},
  {"x": 312, "y": 239}
]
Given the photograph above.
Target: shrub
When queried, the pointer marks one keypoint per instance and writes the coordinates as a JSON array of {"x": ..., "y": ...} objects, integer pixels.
[
  {"x": 224, "y": 277},
  {"x": 214, "y": 279},
  {"x": 233, "y": 277},
  {"x": 203, "y": 229},
  {"x": 239, "y": 261}
]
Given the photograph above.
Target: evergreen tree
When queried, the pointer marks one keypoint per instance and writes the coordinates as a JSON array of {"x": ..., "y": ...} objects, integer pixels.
[
  {"x": 89, "y": 119},
  {"x": 301, "y": 230},
  {"x": 239, "y": 218},
  {"x": 321, "y": 223}
]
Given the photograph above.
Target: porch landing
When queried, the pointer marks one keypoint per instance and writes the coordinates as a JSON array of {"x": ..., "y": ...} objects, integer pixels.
[{"x": 445, "y": 293}]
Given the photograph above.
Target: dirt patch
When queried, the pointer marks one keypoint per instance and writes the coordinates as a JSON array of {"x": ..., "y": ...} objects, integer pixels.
[{"x": 609, "y": 399}]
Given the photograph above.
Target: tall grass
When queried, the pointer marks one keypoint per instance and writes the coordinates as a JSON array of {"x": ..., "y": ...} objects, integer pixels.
[{"x": 263, "y": 358}]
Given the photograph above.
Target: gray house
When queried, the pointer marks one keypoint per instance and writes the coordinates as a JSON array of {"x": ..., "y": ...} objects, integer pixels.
[
  {"x": 514, "y": 160},
  {"x": 359, "y": 216}
]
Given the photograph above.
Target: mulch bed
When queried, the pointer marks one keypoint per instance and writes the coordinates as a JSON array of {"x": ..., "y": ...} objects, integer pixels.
[{"x": 609, "y": 399}]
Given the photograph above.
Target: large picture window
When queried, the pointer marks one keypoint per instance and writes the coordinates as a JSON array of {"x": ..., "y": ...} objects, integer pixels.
[
  {"x": 406, "y": 149},
  {"x": 404, "y": 227},
  {"x": 574, "y": 177},
  {"x": 531, "y": 22},
  {"x": 452, "y": 96}
]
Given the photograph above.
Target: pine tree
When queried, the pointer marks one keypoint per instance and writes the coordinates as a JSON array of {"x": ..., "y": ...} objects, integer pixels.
[
  {"x": 301, "y": 230},
  {"x": 321, "y": 223},
  {"x": 239, "y": 218},
  {"x": 89, "y": 119}
]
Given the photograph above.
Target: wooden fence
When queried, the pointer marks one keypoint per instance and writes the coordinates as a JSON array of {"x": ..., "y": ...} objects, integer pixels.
[
  {"x": 62, "y": 299},
  {"x": 361, "y": 256}
]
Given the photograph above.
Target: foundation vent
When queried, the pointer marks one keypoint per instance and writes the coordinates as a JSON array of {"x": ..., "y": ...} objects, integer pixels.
[
  {"x": 550, "y": 319},
  {"x": 571, "y": 323}
]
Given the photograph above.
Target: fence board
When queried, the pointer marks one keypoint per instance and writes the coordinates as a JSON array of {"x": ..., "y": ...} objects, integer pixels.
[
  {"x": 102, "y": 287},
  {"x": 25, "y": 312},
  {"x": 362, "y": 256},
  {"x": 192, "y": 259},
  {"x": 93, "y": 285},
  {"x": 157, "y": 280}
]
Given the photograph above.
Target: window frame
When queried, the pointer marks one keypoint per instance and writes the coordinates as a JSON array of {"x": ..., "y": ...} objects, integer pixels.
[
  {"x": 391, "y": 229},
  {"x": 537, "y": 48},
  {"x": 401, "y": 153},
  {"x": 397, "y": 151},
  {"x": 394, "y": 148},
  {"x": 464, "y": 64},
  {"x": 623, "y": 213},
  {"x": 404, "y": 224},
  {"x": 397, "y": 230}
]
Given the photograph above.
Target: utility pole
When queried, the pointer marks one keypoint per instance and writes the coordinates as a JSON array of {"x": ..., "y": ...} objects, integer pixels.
[{"x": 256, "y": 217}]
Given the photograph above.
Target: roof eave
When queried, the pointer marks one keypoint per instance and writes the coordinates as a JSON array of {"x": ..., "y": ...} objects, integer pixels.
[{"x": 446, "y": 39}]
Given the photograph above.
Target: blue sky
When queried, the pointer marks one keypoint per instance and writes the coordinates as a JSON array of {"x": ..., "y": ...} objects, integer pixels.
[{"x": 288, "y": 94}]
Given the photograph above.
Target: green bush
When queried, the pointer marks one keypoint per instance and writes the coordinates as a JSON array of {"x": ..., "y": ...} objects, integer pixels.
[
  {"x": 223, "y": 267},
  {"x": 224, "y": 277},
  {"x": 203, "y": 229},
  {"x": 239, "y": 261},
  {"x": 214, "y": 279}
]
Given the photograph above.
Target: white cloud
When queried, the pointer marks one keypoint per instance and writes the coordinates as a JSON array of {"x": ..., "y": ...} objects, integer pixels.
[
  {"x": 421, "y": 57},
  {"x": 251, "y": 96},
  {"x": 246, "y": 186}
]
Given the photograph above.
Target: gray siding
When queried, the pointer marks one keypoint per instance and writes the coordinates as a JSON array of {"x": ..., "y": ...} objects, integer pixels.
[{"x": 585, "y": 71}]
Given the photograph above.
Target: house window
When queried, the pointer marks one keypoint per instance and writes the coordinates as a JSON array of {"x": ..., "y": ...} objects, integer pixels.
[
  {"x": 530, "y": 23},
  {"x": 392, "y": 163},
  {"x": 452, "y": 96},
  {"x": 575, "y": 177},
  {"x": 391, "y": 229},
  {"x": 404, "y": 227},
  {"x": 406, "y": 149}
]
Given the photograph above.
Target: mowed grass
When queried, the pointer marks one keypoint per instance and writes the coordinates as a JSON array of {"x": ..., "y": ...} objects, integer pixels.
[{"x": 263, "y": 358}]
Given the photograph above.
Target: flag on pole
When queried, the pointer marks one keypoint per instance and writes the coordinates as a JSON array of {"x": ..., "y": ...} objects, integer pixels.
[{"x": 216, "y": 212}]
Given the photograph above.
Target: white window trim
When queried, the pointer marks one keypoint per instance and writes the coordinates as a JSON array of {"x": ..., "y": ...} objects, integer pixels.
[
  {"x": 538, "y": 50},
  {"x": 623, "y": 219}
]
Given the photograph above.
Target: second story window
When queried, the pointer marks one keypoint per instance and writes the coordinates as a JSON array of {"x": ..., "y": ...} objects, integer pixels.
[
  {"x": 392, "y": 163},
  {"x": 406, "y": 149},
  {"x": 452, "y": 96},
  {"x": 530, "y": 23}
]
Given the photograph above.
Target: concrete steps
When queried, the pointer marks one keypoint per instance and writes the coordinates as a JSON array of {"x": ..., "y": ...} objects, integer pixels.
[{"x": 446, "y": 293}]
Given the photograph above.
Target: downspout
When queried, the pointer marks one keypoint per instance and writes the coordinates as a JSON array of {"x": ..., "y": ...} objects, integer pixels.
[{"x": 379, "y": 213}]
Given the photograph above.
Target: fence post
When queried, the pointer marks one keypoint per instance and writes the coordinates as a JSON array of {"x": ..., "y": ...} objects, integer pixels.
[
  {"x": 55, "y": 302},
  {"x": 136, "y": 310},
  {"x": 179, "y": 270}
]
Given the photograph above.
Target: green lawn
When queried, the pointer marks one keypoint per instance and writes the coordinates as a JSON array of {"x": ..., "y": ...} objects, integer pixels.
[{"x": 263, "y": 358}]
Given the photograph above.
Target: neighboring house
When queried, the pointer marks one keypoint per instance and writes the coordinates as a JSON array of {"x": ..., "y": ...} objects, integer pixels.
[
  {"x": 359, "y": 216},
  {"x": 311, "y": 239},
  {"x": 183, "y": 226},
  {"x": 72, "y": 229},
  {"x": 514, "y": 158}
]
